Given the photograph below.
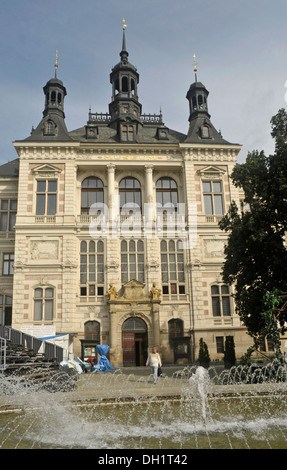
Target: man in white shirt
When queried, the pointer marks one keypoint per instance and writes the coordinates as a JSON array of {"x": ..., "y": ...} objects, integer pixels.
[{"x": 154, "y": 362}]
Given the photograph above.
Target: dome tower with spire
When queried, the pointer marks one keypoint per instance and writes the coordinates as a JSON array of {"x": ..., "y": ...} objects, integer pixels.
[
  {"x": 52, "y": 126},
  {"x": 125, "y": 109},
  {"x": 201, "y": 130}
]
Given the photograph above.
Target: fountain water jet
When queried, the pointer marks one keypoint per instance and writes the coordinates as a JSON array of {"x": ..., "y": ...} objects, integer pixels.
[{"x": 120, "y": 409}]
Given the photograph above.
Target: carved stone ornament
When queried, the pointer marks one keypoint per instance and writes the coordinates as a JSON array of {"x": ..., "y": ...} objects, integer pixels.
[
  {"x": 133, "y": 290},
  {"x": 44, "y": 250},
  {"x": 155, "y": 293},
  {"x": 112, "y": 292}
]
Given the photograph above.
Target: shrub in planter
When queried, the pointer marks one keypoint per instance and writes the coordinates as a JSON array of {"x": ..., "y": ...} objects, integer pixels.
[
  {"x": 229, "y": 353},
  {"x": 203, "y": 358}
]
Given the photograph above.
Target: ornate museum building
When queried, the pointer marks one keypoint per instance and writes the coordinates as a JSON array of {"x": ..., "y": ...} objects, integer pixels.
[{"x": 110, "y": 232}]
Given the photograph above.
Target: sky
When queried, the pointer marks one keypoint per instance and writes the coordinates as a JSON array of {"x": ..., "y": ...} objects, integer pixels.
[{"x": 240, "y": 46}]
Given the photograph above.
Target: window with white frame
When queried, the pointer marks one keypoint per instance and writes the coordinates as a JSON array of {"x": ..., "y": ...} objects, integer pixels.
[
  {"x": 92, "y": 268},
  {"x": 92, "y": 192},
  {"x": 220, "y": 301},
  {"x": 130, "y": 195},
  {"x": 132, "y": 260},
  {"x": 44, "y": 298},
  {"x": 46, "y": 197},
  {"x": 166, "y": 195},
  {"x": 213, "y": 197},
  {"x": 172, "y": 267}
]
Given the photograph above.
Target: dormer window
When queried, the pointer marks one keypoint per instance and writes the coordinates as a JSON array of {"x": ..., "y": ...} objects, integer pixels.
[
  {"x": 127, "y": 133},
  {"x": 205, "y": 134},
  {"x": 49, "y": 128}
]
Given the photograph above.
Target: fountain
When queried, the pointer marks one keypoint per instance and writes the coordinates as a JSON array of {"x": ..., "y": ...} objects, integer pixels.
[{"x": 193, "y": 408}]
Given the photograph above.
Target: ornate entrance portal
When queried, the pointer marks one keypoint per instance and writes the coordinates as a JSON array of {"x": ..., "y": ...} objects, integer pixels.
[
  {"x": 134, "y": 342},
  {"x": 134, "y": 323}
]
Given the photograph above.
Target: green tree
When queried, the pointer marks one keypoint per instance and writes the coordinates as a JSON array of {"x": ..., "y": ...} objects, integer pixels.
[
  {"x": 229, "y": 352},
  {"x": 203, "y": 357},
  {"x": 256, "y": 256}
]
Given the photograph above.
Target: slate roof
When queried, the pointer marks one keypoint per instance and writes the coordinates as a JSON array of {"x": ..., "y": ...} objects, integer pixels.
[
  {"x": 146, "y": 135},
  {"x": 194, "y": 135},
  {"x": 10, "y": 169}
]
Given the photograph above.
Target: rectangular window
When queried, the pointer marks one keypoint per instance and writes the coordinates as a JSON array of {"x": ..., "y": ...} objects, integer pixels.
[
  {"x": 219, "y": 344},
  {"x": 213, "y": 197},
  {"x": 132, "y": 260},
  {"x": 172, "y": 267},
  {"x": 8, "y": 264},
  {"x": 46, "y": 199},
  {"x": 8, "y": 210},
  {"x": 220, "y": 297},
  {"x": 92, "y": 268},
  {"x": 5, "y": 310},
  {"x": 44, "y": 304}
]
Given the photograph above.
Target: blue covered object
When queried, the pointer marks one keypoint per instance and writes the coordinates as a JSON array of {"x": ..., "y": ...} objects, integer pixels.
[{"x": 103, "y": 362}]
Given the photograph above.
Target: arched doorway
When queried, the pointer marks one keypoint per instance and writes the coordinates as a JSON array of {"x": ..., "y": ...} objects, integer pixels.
[{"x": 134, "y": 342}]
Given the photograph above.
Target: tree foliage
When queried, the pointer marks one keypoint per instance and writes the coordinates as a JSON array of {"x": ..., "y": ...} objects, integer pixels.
[{"x": 256, "y": 256}]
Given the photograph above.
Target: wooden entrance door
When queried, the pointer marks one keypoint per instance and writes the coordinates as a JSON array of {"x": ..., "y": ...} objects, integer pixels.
[
  {"x": 128, "y": 343},
  {"x": 134, "y": 342}
]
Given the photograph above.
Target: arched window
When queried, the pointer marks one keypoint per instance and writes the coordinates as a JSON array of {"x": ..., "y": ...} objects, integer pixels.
[
  {"x": 166, "y": 195},
  {"x": 92, "y": 193},
  {"x": 49, "y": 128},
  {"x": 92, "y": 331},
  {"x": 134, "y": 324},
  {"x": 205, "y": 132},
  {"x": 175, "y": 329},
  {"x": 130, "y": 195},
  {"x": 43, "y": 304},
  {"x": 53, "y": 97},
  {"x": 125, "y": 87},
  {"x": 200, "y": 101},
  {"x": 133, "y": 85}
]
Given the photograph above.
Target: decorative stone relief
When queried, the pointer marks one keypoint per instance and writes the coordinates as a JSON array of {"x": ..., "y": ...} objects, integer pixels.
[
  {"x": 44, "y": 250},
  {"x": 213, "y": 248},
  {"x": 134, "y": 290}
]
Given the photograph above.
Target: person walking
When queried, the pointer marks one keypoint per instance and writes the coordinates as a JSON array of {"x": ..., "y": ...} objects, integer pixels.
[{"x": 154, "y": 361}]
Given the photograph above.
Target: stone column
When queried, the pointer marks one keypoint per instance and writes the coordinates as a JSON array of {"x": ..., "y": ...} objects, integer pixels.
[
  {"x": 156, "y": 325},
  {"x": 149, "y": 201},
  {"x": 111, "y": 185},
  {"x": 149, "y": 183},
  {"x": 116, "y": 357}
]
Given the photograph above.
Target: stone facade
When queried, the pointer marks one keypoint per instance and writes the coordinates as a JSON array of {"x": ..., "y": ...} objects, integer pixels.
[{"x": 130, "y": 296}]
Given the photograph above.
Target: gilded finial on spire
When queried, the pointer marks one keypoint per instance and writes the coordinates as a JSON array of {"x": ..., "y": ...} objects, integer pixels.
[
  {"x": 195, "y": 66},
  {"x": 56, "y": 64},
  {"x": 124, "y": 24}
]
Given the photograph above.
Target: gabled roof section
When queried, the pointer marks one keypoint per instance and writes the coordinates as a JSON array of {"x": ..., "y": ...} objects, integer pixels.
[
  {"x": 10, "y": 169},
  {"x": 202, "y": 131},
  {"x": 52, "y": 128},
  {"x": 46, "y": 168}
]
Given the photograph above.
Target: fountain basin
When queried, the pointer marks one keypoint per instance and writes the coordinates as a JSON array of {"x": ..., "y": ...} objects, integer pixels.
[{"x": 125, "y": 411}]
